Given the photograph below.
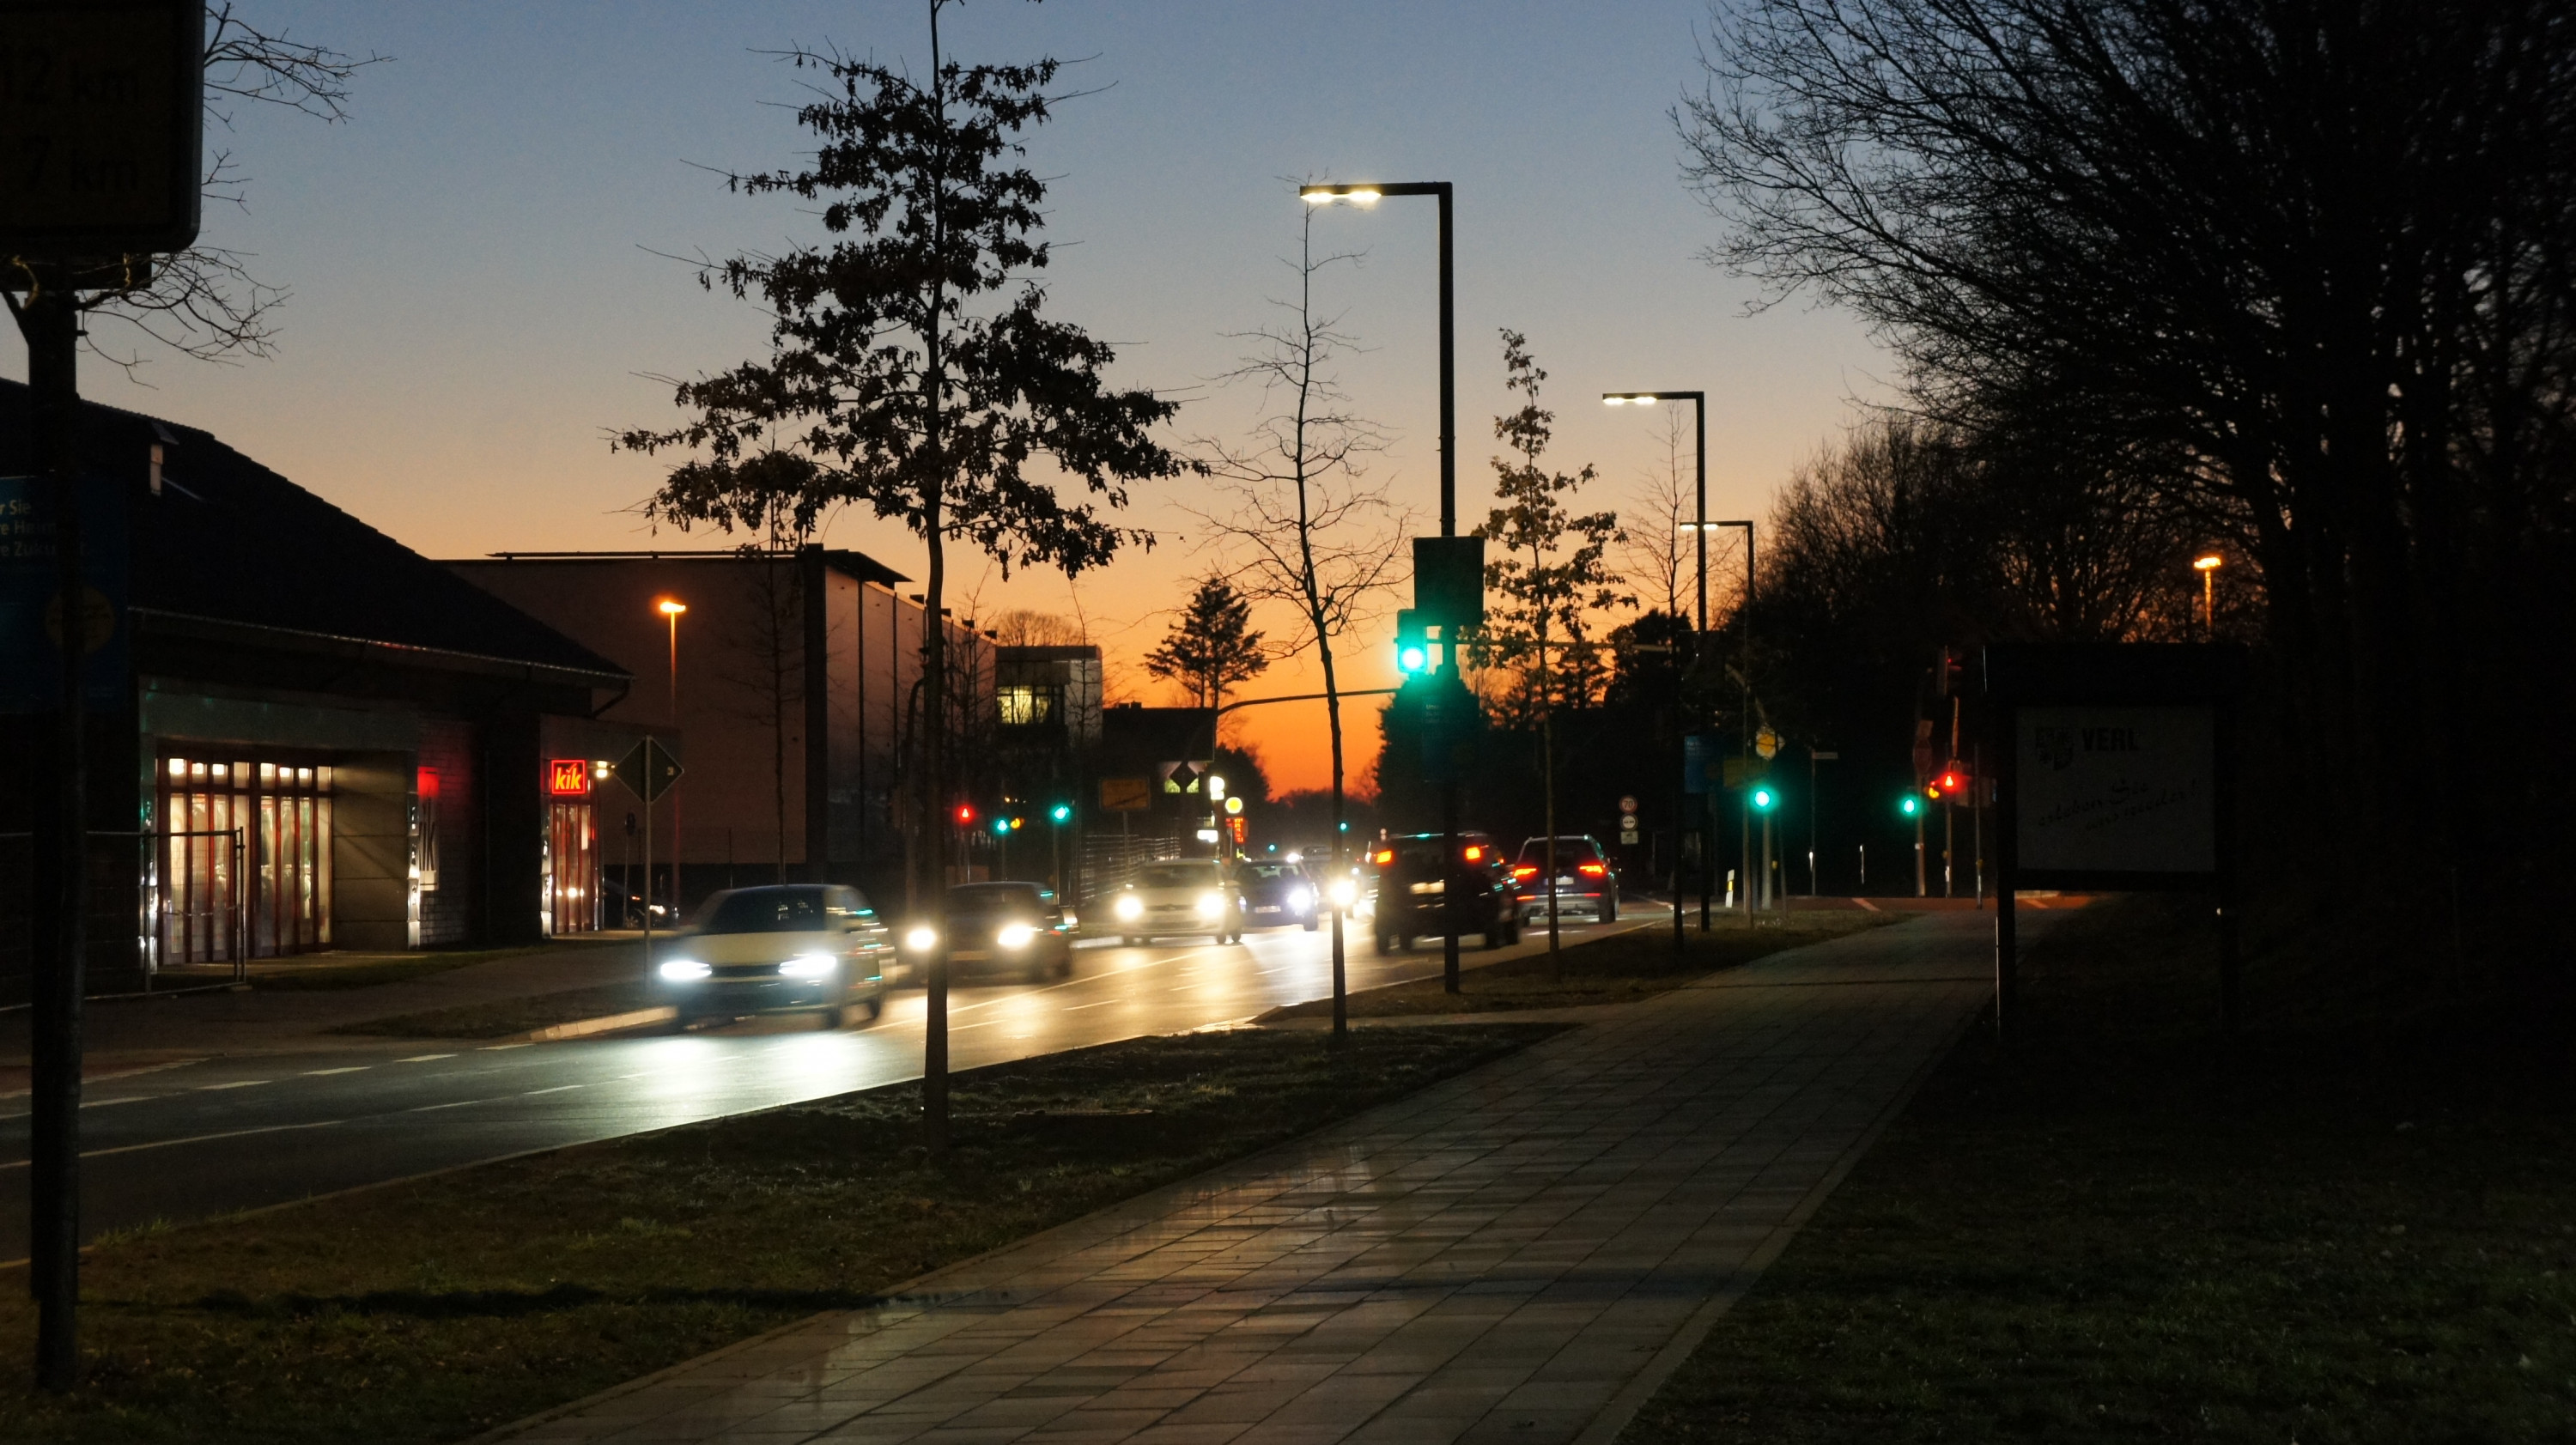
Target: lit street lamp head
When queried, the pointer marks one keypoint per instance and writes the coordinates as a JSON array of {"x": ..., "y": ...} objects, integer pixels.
[
  {"x": 2206, "y": 563},
  {"x": 670, "y": 608}
]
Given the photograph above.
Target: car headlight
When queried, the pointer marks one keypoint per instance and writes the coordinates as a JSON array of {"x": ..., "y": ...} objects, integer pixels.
[
  {"x": 683, "y": 970},
  {"x": 1211, "y": 904},
  {"x": 1301, "y": 900},
  {"x": 1130, "y": 907},
  {"x": 810, "y": 965},
  {"x": 1345, "y": 892},
  {"x": 922, "y": 939},
  {"x": 1015, "y": 935}
]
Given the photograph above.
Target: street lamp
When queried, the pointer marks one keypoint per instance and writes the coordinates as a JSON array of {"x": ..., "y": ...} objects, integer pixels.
[
  {"x": 2207, "y": 565},
  {"x": 1367, "y": 193},
  {"x": 670, "y": 608},
  {"x": 1699, "y": 514}
]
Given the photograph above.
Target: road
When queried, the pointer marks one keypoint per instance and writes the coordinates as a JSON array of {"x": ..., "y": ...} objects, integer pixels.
[{"x": 206, "y": 1137}]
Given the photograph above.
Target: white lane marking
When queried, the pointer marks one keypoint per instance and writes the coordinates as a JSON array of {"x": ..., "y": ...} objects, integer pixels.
[
  {"x": 111, "y": 1103},
  {"x": 235, "y": 1084},
  {"x": 423, "y": 1058},
  {"x": 458, "y": 1104},
  {"x": 326, "y": 1073},
  {"x": 557, "y": 1089},
  {"x": 496, "y": 1048},
  {"x": 1104, "y": 1003},
  {"x": 191, "y": 1139}
]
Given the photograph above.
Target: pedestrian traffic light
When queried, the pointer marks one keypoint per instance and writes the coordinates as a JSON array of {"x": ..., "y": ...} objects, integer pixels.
[
  {"x": 1412, "y": 644},
  {"x": 1061, "y": 813},
  {"x": 1764, "y": 800}
]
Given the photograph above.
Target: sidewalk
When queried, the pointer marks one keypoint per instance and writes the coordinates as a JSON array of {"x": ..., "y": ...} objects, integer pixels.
[
  {"x": 137, "y": 1033},
  {"x": 1519, "y": 1254}
]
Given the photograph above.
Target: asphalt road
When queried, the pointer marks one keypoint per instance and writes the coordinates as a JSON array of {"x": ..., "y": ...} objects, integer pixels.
[{"x": 204, "y": 1138}]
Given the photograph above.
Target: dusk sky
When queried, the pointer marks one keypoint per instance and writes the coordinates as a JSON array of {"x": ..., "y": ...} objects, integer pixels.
[{"x": 477, "y": 299}]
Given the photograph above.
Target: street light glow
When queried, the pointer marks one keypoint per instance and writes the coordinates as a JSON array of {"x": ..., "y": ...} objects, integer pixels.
[
  {"x": 670, "y": 607},
  {"x": 2207, "y": 563},
  {"x": 1356, "y": 195}
]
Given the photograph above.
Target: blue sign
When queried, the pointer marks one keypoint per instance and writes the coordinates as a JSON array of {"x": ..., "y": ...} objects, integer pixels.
[
  {"x": 1695, "y": 763},
  {"x": 31, "y": 613}
]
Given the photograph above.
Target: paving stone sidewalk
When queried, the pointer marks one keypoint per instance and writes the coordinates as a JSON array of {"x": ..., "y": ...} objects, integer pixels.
[{"x": 1520, "y": 1254}]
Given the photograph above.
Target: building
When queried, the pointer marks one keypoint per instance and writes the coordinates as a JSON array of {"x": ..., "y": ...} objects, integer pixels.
[
  {"x": 303, "y": 735},
  {"x": 796, "y": 675}
]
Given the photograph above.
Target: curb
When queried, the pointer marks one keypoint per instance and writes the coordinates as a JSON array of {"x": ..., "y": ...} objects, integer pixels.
[{"x": 604, "y": 1024}]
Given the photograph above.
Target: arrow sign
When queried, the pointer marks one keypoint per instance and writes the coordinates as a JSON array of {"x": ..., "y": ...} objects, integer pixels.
[{"x": 648, "y": 772}]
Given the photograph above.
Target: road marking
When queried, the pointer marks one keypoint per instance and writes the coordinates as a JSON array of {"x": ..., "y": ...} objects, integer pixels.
[
  {"x": 191, "y": 1139},
  {"x": 235, "y": 1084},
  {"x": 423, "y": 1058},
  {"x": 557, "y": 1089},
  {"x": 458, "y": 1104},
  {"x": 496, "y": 1048},
  {"x": 1104, "y": 1003},
  {"x": 349, "y": 1069},
  {"x": 111, "y": 1103}
]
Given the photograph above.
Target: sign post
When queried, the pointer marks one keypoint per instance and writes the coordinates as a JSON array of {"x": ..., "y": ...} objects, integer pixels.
[
  {"x": 2117, "y": 771},
  {"x": 100, "y": 107},
  {"x": 648, "y": 770}
]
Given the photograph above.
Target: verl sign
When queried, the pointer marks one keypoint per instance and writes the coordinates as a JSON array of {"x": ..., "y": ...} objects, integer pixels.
[{"x": 101, "y": 106}]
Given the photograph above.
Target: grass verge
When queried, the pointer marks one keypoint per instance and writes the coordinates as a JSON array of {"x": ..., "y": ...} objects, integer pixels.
[
  {"x": 328, "y": 971},
  {"x": 1614, "y": 969},
  {"x": 430, "y": 1311},
  {"x": 2361, "y": 1230},
  {"x": 506, "y": 1017}
]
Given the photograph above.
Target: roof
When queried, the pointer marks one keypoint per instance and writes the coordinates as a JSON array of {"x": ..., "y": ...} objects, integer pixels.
[
  {"x": 852, "y": 564},
  {"x": 229, "y": 541}
]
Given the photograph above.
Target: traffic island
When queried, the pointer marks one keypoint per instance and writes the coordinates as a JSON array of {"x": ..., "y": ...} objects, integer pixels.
[
  {"x": 2346, "y": 1225},
  {"x": 1606, "y": 969},
  {"x": 432, "y": 1310}
]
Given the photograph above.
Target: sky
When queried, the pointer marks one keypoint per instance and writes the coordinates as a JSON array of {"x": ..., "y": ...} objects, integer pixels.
[{"x": 483, "y": 283}]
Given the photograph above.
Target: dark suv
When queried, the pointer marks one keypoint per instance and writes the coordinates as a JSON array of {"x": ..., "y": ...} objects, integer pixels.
[
  {"x": 1586, "y": 882},
  {"x": 1412, "y": 886}
]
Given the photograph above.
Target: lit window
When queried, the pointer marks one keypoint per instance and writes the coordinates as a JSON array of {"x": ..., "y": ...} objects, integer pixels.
[{"x": 1022, "y": 706}]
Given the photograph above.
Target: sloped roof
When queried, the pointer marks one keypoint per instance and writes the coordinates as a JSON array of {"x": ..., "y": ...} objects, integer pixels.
[{"x": 231, "y": 541}]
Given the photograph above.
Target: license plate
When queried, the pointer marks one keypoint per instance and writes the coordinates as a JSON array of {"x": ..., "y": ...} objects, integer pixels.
[
  {"x": 1266, "y": 908},
  {"x": 968, "y": 955}
]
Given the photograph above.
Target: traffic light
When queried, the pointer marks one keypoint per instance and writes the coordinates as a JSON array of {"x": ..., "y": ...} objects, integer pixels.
[
  {"x": 1764, "y": 799},
  {"x": 1061, "y": 813},
  {"x": 1412, "y": 644},
  {"x": 964, "y": 813},
  {"x": 1948, "y": 782},
  {"x": 1002, "y": 826},
  {"x": 1911, "y": 805}
]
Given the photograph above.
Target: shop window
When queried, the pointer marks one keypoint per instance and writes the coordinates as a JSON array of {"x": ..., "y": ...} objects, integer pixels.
[{"x": 243, "y": 860}]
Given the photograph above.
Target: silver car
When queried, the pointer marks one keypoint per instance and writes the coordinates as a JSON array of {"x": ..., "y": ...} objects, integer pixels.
[
  {"x": 1189, "y": 895},
  {"x": 797, "y": 946}
]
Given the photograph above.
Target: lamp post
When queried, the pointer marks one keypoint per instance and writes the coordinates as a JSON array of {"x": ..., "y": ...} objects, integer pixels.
[
  {"x": 1699, "y": 542},
  {"x": 2207, "y": 565},
  {"x": 1367, "y": 193},
  {"x": 671, "y": 608},
  {"x": 1744, "y": 677}
]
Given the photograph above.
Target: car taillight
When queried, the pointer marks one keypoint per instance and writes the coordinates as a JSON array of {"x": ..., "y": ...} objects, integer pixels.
[
  {"x": 1475, "y": 854},
  {"x": 1385, "y": 857},
  {"x": 1592, "y": 870},
  {"x": 1525, "y": 870}
]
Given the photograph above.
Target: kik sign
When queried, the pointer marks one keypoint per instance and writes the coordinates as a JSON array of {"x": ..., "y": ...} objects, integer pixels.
[{"x": 2117, "y": 789}]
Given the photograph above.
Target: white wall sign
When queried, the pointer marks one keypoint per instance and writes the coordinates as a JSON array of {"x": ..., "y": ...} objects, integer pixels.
[{"x": 2116, "y": 789}]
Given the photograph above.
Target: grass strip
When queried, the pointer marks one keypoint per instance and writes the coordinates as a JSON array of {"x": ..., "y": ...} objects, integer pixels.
[
  {"x": 2133, "y": 1228},
  {"x": 434, "y": 1310},
  {"x": 330, "y": 972},
  {"x": 1617, "y": 968},
  {"x": 503, "y": 1018}
]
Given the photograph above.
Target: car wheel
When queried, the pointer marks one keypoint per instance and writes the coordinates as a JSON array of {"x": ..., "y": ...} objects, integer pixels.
[
  {"x": 1311, "y": 925},
  {"x": 1610, "y": 910},
  {"x": 1385, "y": 944}
]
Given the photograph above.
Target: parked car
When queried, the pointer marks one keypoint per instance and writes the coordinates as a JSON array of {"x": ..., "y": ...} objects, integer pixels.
[
  {"x": 1179, "y": 896},
  {"x": 1586, "y": 883},
  {"x": 1013, "y": 926},
  {"x": 1413, "y": 887},
  {"x": 1278, "y": 893},
  {"x": 787, "y": 947}
]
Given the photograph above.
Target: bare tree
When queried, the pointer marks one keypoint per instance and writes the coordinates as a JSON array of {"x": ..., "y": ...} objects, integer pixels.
[
  {"x": 764, "y": 661},
  {"x": 204, "y": 303},
  {"x": 1311, "y": 533},
  {"x": 1024, "y": 627},
  {"x": 1651, "y": 550}
]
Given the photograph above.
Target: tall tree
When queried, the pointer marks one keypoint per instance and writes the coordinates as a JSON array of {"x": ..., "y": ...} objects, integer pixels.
[
  {"x": 1315, "y": 534},
  {"x": 2317, "y": 253},
  {"x": 1212, "y": 644},
  {"x": 1553, "y": 569},
  {"x": 913, "y": 371}
]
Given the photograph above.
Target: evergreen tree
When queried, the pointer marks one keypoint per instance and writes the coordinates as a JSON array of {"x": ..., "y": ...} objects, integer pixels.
[{"x": 1212, "y": 644}]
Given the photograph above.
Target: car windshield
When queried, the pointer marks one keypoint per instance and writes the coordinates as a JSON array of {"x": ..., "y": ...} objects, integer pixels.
[
  {"x": 1269, "y": 872},
  {"x": 986, "y": 898},
  {"x": 1179, "y": 875},
  {"x": 768, "y": 910},
  {"x": 1568, "y": 851}
]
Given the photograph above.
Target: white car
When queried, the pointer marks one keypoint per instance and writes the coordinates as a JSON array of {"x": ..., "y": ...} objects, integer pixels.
[
  {"x": 1191, "y": 895},
  {"x": 788, "y": 947}
]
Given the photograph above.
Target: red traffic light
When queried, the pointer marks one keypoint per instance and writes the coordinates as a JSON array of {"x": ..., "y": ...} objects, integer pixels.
[
  {"x": 964, "y": 813},
  {"x": 1950, "y": 780}
]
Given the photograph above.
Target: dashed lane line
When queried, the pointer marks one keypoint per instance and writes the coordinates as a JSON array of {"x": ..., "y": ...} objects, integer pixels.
[
  {"x": 190, "y": 1139},
  {"x": 423, "y": 1058},
  {"x": 345, "y": 1069}
]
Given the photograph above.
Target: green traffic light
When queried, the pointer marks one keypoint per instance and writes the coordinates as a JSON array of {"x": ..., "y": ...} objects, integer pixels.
[
  {"x": 1001, "y": 826},
  {"x": 1763, "y": 798},
  {"x": 1061, "y": 812},
  {"x": 1910, "y": 805},
  {"x": 1412, "y": 659}
]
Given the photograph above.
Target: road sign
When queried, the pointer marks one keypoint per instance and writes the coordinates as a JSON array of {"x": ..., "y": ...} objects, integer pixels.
[
  {"x": 1628, "y": 836},
  {"x": 1126, "y": 795},
  {"x": 648, "y": 771},
  {"x": 1628, "y": 804},
  {"x": 1767, "y": 743},
  {"x": 1744, "y": 772},
  {"x": 100, "y": 118},
  {"x": 1181, "y": 779},
  {"x": 1449, "y": 583},
  {"x": 1695, "y": 763}
]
